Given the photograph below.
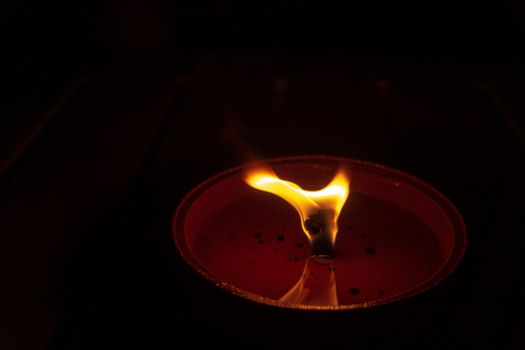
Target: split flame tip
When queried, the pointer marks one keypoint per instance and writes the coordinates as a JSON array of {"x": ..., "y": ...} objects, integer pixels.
[{"x": 318, "y": 210}]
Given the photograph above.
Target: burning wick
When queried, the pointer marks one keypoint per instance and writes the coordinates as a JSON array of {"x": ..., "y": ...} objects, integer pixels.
[{"x": 319, "y": 210}]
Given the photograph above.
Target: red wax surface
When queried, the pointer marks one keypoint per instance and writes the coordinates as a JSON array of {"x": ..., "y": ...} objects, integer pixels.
[{"x": 397, "y": 236}]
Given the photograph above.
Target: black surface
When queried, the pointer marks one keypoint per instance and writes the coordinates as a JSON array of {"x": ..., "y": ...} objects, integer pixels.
[{"x": 100, "y": 143}]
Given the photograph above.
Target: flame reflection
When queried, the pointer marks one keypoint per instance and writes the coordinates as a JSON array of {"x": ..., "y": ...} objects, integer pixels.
[{"x": 316, "y": 286}]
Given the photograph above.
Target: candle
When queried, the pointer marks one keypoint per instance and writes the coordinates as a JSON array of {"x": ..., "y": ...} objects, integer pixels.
[
  {"x": 318, "y": 210},
  {"x": 396, "y": 237}
]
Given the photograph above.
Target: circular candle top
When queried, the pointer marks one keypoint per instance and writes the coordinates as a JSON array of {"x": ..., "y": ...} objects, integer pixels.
[{"x": 397, "y": 237}]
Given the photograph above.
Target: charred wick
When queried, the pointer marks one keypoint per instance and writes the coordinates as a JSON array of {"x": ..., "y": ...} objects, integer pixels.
[
  {"x": 316, "y": 225},
  {"x": 322, "y": 247}
]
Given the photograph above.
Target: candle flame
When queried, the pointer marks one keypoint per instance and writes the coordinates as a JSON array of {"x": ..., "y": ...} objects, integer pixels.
[{"x": 318, "y": 210}]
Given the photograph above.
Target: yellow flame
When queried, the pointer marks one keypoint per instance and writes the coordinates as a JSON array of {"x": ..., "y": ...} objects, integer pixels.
[{"x": 329, "y": 200}]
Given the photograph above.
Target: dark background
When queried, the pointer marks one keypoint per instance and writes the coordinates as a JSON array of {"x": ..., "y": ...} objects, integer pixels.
[{"x": 112, "y": 110}]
